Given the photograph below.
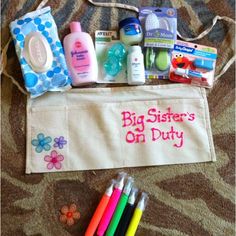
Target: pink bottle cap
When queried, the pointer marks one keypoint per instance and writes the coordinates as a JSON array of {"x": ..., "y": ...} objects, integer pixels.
[{"x": 75, "y": 26}]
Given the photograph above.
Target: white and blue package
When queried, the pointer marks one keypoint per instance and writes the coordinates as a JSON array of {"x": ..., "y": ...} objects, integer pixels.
[
  {"x": 160, "y": 33},
  {"x": 40, "y": 53}
]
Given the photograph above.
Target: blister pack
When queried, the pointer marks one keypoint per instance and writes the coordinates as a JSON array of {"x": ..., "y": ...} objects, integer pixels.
[
  {"x": 160, "y": 32},
  {"x": 112, "y": 57},
  {"x": 193, "y": 64}
]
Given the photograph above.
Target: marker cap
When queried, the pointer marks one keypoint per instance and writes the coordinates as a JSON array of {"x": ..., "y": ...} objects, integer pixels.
[
  {"x": 128, "y": 186},
  {"x": 143, "y": 201},
  {"x": 133, "y": 195},
  {"x": 109, "y": 190},
  {"x": 120, "y": 180}
]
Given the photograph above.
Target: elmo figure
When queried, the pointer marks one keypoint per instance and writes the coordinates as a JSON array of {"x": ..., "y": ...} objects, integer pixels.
[{"x": 180, "y": 61}]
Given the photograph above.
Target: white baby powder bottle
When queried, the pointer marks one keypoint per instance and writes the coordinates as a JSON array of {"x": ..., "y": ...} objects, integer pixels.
[
  {"x": 135, "y": 66},
  {"x": 80, "y": 56}
]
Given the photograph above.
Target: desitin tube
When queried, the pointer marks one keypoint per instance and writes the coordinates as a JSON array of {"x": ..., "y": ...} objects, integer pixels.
[
  {"x": 138, "y": 212},
  {"x": 111, "y": 205},
  {"x": 127, "y": 214},
  {"x": 99, "y": 210},
  {"x": 120, "y": 207}
]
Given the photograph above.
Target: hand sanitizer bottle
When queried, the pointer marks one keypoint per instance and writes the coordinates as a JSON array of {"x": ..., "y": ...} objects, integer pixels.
[
  {"x": 135, "y": 66},
  {"x": 80, "y": 56}
]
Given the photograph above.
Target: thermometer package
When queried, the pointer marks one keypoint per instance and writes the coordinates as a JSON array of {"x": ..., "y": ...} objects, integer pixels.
[
  {"x": 160, "y": 32},
  {"x": 193, "y": 64},
  {"x": 40, "y": 53}
]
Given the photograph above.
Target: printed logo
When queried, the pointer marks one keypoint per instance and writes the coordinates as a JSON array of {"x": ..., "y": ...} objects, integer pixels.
[
  {"x": 183, "y": 49},
  {"x": 78, "y": 44},
  {"x": 170, "y": 12}
]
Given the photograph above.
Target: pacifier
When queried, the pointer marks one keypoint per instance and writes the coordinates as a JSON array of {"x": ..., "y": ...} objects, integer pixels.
[{"x": 115, "y": 59}]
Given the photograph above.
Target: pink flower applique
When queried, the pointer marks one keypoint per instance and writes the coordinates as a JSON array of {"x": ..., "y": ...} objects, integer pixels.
[
  {"x": 54, "y": 160},
  {"x": 69, "y": 214}
]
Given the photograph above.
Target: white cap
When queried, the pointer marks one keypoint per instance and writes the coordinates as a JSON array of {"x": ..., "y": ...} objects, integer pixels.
[
  {"x": 37, "y": 52},
  {"x": 109, "y": 190},
  {"x": 181, "y": 72},
  {"x": 128, "y": 186},
  {"x": 143, "y": 201},
  {"x": 135, "y": 48},
  {"x": 133, "y": 196},
  {"x": 120, "y": 180}
]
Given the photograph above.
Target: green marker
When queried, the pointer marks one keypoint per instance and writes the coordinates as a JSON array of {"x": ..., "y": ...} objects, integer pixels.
[{"x": 120, "y": 207}]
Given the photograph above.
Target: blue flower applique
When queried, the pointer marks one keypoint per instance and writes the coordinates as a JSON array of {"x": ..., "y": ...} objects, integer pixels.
[
  {"x": 42, "y": 143},
  {"x": 59, "y": 142}
]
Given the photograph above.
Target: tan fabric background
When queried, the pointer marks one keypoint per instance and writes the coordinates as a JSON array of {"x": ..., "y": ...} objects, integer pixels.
[{"x": 196, "y": 199}]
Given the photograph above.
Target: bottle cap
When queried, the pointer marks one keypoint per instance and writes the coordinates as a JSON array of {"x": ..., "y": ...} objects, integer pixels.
[
  {"x": 37, "y": 53},
  {"x": 135, "y": 49},
  {"x": 75, "y": 26},
  {"x": 129, "y": 20}
]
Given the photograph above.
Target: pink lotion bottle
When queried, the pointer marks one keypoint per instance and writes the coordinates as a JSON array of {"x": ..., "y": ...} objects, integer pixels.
[{"x": 80, "y": 56}]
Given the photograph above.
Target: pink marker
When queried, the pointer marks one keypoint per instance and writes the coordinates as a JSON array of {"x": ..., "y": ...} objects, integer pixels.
[{"x": 106, "y": 218}]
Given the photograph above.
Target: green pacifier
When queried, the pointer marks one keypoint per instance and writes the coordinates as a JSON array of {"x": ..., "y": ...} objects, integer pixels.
[{"x": 116, "y": 59}]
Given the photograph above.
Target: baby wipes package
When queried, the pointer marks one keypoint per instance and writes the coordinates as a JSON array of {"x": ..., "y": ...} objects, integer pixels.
[
  {"x": 40, "y": 52},
  {"x": 160, "y": 33}
]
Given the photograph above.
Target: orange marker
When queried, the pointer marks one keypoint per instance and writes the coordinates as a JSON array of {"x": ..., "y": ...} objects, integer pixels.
[{"x": 99, "y": 211}]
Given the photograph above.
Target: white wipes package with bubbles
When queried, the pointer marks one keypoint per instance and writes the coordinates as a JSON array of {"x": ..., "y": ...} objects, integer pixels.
[{"x": 40, "y": 52}]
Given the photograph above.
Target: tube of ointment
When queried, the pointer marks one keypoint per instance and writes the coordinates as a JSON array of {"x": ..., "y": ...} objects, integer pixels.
[
  {"x": 137, "y": 215},
  {"x": 120, "y": 207},
  {"x": 100, "y": 210},
  {"x": 189, "y": 73},
  {"x": 111, "y": 204},
  {"x": 127, "y": 214}
]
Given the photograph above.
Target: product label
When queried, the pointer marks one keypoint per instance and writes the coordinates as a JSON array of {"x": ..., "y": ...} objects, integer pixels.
[
  {"x": 195, "y": 52},
  {"x": 160, "y": 26},
  {"x": 137, "y": 69},
  {"x": 132, "y": 29},
  {"x": 80, "y": 58},
  {"x": 159, "y": 38}
]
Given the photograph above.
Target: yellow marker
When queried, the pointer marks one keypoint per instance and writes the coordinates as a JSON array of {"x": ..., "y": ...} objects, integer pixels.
[{"x": 138, "y": 212}]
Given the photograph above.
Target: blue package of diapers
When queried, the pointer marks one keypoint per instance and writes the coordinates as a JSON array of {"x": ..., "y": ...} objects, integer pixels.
[{"x": 40, "y": 52}]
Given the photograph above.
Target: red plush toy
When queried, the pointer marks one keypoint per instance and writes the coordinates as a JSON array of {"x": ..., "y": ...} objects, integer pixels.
[{"x": 180, "y": 61}]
